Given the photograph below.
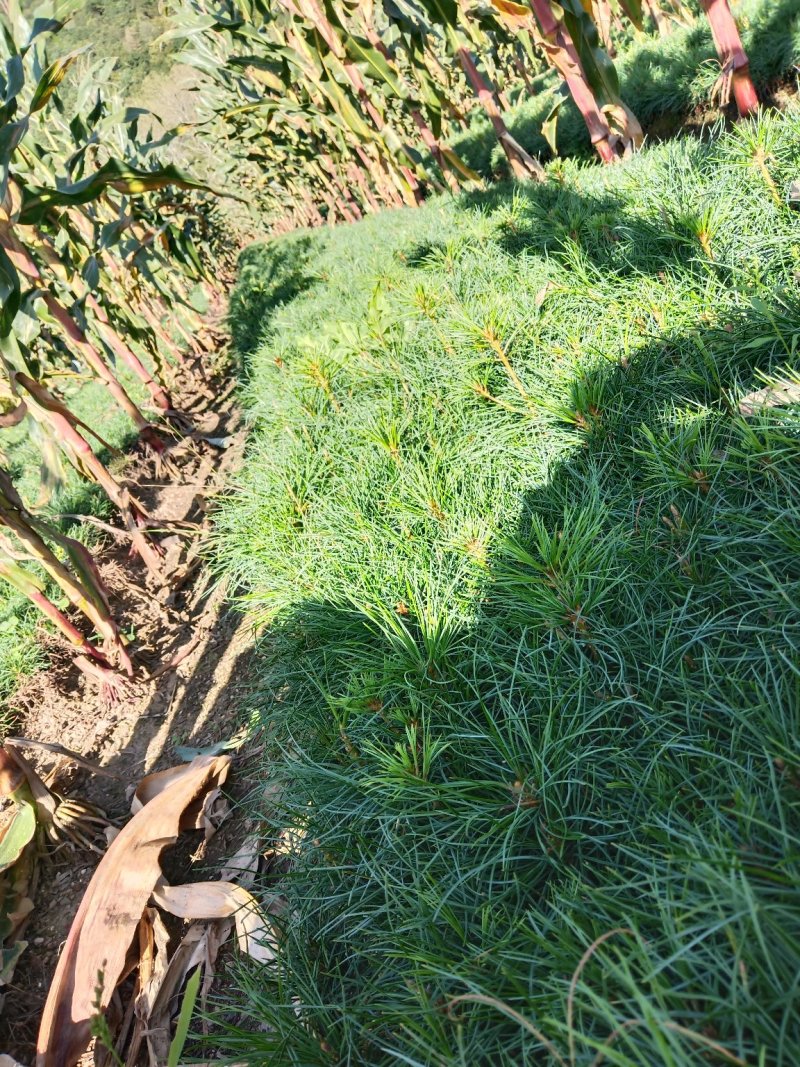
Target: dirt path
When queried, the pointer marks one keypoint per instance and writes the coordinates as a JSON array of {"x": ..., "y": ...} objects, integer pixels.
[{"x": 192, "y": 655}]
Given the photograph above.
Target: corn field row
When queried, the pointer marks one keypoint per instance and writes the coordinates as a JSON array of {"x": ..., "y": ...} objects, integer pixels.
[
  {"x": 98, "y": 262},
  {"x": 345, "y": 107}
]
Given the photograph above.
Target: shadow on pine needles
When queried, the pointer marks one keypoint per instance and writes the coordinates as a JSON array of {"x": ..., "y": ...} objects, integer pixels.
[{"x": 531, "y": 679}]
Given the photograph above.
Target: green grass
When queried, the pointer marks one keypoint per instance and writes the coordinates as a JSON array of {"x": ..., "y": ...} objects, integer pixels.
[
  {"x": 663, "y": 80},
  {"x": 531, "y": 675}
]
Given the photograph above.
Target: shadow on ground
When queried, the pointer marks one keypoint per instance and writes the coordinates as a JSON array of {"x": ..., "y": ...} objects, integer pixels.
[{"x": 596, "y": 752}]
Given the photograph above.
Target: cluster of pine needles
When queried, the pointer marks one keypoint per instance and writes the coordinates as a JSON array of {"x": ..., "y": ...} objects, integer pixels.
[{"x": 531, "y": 678}]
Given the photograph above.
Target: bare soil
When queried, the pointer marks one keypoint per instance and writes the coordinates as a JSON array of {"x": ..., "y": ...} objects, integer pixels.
[{"x": 192, "y": 653}]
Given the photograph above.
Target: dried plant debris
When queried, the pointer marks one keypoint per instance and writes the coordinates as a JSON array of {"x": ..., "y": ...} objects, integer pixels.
[
  {"x": 126, "y": 977},
  {"x": 108, "y": 918}
]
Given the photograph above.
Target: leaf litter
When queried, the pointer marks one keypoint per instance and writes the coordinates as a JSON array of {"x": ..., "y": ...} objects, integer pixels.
[
  {"x": 141, "y": 987},
  {"x": 119, "y": 945}
]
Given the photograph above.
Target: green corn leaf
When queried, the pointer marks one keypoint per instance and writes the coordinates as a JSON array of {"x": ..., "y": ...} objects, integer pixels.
[
  {"x": 52, "y": 78},
  {"x": 598, "y": 67},
  {"x": 341, "y": 104},
  {"x": 19, "y": 578},
  {"x": 550, "y": 124},
  {"x": 444, "y": 14},
  {"x": 184, "y": 1020},
  {"x": 633, "y": 9},
  {"x": 83, "y": 565},
  {"x": 10, "y": 293},
  {"x": 41, "y": 26},
  {"x": 8, "y": 960},
  {"x": 15, "y": 78},
  {"x": 370, "y": 59},
  {"x": 457, "y": 163},
  {"x": 21, "y": 829},
  {"x": 117, "y": 174}
]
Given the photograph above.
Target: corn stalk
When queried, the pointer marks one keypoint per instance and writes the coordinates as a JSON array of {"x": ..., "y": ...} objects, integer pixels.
[{"x": 735, "y": 76}]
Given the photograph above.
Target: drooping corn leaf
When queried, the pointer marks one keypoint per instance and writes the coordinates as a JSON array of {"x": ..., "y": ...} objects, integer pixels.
[
  {"x": 10, "y": 293},
  {"x": 52, "y": 78},
  {"x": 116, "y": 173}
]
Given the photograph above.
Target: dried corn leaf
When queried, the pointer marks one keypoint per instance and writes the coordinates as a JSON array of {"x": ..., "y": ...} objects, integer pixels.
[
  {"x": 215, "y": 807},
  {"x": 777, "y": 395},
  {"x": 222, "y": 900},
  {"x": 153, "y": 964},
  {"x": 112, "y": 907},
  {"x": 243, "y": 866},
  {"x": 156, "y": 1022}
]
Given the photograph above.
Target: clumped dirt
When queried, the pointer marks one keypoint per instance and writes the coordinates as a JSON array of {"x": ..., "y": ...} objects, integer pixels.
[{"x": 191, "y": 653}]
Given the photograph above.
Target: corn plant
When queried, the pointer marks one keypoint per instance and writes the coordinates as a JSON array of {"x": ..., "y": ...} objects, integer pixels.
[
  {"x": 347, "y": 107},
  {"x": 94, "y": 275}
]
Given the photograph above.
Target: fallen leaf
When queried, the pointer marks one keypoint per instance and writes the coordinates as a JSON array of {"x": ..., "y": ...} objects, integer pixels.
[
  {"x": 771, "y": 396},
  {"x": 243, "y": 866},
  {"x": 153, "y": 965},
  {"x": 190, "y": 952},
  {"x": 216, "y": 809},
  {"x": 111, "y": 909},
  {"x": 222, "y": 900},
  {"x": 217, "y": 933},
  {"x": 154, "y": 784}
]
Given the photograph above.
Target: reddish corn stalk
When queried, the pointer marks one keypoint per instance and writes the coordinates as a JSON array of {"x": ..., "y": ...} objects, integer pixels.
[
  {"x": 732, "y": 56},
  {"x": 522, "y": 164},
  {"x": 429, "y": 139},
  {"x": 433, "y": 146},
  {"x": 147, "y": 313},
  {"x": 413, "y": 184},
  {"x": 68, "y": 629},
  {"x": 26, "y": 265},
  {"x": 564, "y": 56},
  {"x": 378, "y": 176},
  {"x": 87, "y": 596},
  {"x": 315, "y": 218},
  {"x": 123, "y": 352},
  {"x": 312, "y": 11},
  {"x": 332, "y": 211},
  {"x": 93, "y": 358},
  {"x": 356, "y": 176},
  {"x": 345, "y": 196},
  {"x": 66, "y": 432}
]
